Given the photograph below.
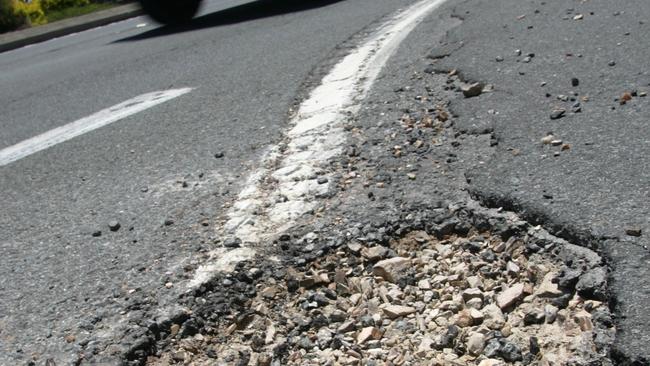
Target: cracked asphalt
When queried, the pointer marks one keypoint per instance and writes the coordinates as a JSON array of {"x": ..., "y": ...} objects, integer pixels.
[{"x": 597, "y": 188}]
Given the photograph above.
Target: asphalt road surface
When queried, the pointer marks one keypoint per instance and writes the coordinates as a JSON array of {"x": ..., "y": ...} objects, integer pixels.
[
  {"x": 155, "y": 172},
  {"x": 71, "y": 280}
]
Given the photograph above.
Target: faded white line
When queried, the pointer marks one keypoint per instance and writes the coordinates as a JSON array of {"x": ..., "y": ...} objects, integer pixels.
[
  {"x": 87, "y": 124},
  {"x": 286, "y": 186}
]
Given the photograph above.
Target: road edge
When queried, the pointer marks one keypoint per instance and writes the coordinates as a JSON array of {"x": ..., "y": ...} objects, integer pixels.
[{"x": 13, "y": 40}]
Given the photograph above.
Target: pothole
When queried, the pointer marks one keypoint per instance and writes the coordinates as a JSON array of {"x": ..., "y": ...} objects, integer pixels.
[{"x": 458, "y": 286}]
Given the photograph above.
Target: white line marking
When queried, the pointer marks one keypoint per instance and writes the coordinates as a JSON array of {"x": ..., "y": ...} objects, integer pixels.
[
  {"x": 286, "y": 186},
  {"x": 87, "y": 124}
]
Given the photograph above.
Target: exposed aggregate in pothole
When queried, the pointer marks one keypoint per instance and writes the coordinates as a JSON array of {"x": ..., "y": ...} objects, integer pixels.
[{"x": 450, "y": 293}]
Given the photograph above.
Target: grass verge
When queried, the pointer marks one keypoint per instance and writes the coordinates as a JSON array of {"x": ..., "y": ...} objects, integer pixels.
[{"x": 77, "y": 11}]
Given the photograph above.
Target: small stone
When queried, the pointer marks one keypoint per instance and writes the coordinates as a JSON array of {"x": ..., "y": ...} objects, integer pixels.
[
  {"x": 550, "y": 313},
  {"x": 322, "y": 180},
  {"x": 424, "y": 347},
  {"x": 173, "y": 330},
  {"x": 97, "y": 233},
  {"x": 169, "y": 285},
  {"x": 499, "y": 58},
  {"x": 375, "y": 253},
  {"x": 346, "y": 327},
  {"x": 475, "y": 343},
  {"x": 546, "y": 140},
  {"x": 491, "y": 362},
  {"x": 517, "y": 52},
  {"x": 575, "y": 82},
  {"x": 510, "y": 296},
  {"x": 526, "y": 59},
  {"x": 612, "y": 63},
  {"x": 533, "y": 345},
  {"x": 583, "y": 319},
  {"x": 114, "y": 225},
  {"x": 397, "y": 311},
  {"x": 473, "y": 90},
  {"x": 368, "y": 333},
  {"x": 472, "y": 293},
  {"x": 592, "y": 285},
  {"x": 305, "y": 343},
  {"x": 493, "y": 317},
  {"x": 510, "y": 351},
  {"x": 464, "y": 319},
  {"x": 70, "y": 338},
  {"x": 512, "y": 268},
  {"x": 474, "y": 282},
  {"x": 633, "y": 231},
  {"x": 424, "y": 284},
  {"x": 169, "y": 222},
  {"x": 491, "y": 349},
  {"x": 578, "y": 17},
  {"x": 556, "y": 142},
  {"x": 232, "y": 242},
  {"x": 411, "y": 176},
  {"x": 391, "y": 269},
  {"x": 534, "y": 316},
  {"x": 324, "y": 337},
  {"x": 476, "y": 315},
  {"x": 179, "y": 356},
  {"x": 547, "y": 288},
  {"x": 626, "y": 97},
  {"x": 558, "y": 113},
  {"x": 218, "y": 155}
]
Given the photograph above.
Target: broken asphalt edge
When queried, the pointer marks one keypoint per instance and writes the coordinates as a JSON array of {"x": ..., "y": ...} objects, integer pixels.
[{"x": 13, "y": 40}]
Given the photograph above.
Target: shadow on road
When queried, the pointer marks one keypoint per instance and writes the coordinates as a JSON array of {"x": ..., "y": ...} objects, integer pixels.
[{"x": 238, "y": 14}]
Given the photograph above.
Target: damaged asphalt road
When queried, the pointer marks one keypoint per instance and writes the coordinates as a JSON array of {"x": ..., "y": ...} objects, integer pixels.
[
  {"x": 554, "y": 134},
  {"x": 592, "y": 184}
]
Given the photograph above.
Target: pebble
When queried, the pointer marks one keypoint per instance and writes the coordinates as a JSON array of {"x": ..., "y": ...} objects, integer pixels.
[
  {"x": 368, "y": 333},
  {"x": 472, "y": 90},
  {"x": 391, "y": 269},
  {"x": 633, "y": 231},
  {"x": 558, "y": 113},
  {"x": 475, "y": 343},
  {"x": 219, "y": 155},
  {"x": 510, "y": 296},
  {"x": 114, "y": 225},
  {"x": 547, "y": 139},
  {"x": 397, "y": 311}
]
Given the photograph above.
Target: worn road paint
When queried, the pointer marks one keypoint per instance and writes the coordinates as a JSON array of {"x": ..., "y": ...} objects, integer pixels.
[
  {"x": 87, "y": 124},
  {"x": 286, "y": 186}
]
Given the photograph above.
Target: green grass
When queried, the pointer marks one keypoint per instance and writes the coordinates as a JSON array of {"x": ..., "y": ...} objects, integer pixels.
[{"x": 76, "y": 11}]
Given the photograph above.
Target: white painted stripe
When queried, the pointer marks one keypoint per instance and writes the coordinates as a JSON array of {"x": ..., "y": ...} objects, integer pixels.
[
  {"x": 87, "y": 124},
  {"x": 265, "y": 210}
]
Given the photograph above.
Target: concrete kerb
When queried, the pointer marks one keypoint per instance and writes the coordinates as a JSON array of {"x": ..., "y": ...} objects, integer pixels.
[{"x": 17, "y": 39}]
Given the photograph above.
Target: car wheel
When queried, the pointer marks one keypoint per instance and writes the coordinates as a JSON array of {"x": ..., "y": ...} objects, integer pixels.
[{"x": 171, "y": 11}]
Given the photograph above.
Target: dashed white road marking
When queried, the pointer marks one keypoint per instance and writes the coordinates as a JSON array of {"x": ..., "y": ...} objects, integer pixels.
[
  {"x": 286, "y": 186},
  {"x": 87, "y": 124}
]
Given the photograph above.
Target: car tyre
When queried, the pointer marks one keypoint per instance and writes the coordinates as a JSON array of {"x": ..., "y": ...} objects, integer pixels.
[{"x": 171, "y": 12}]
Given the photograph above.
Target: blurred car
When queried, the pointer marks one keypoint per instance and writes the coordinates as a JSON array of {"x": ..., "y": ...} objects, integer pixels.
[{"x": 171, "y": 11}]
